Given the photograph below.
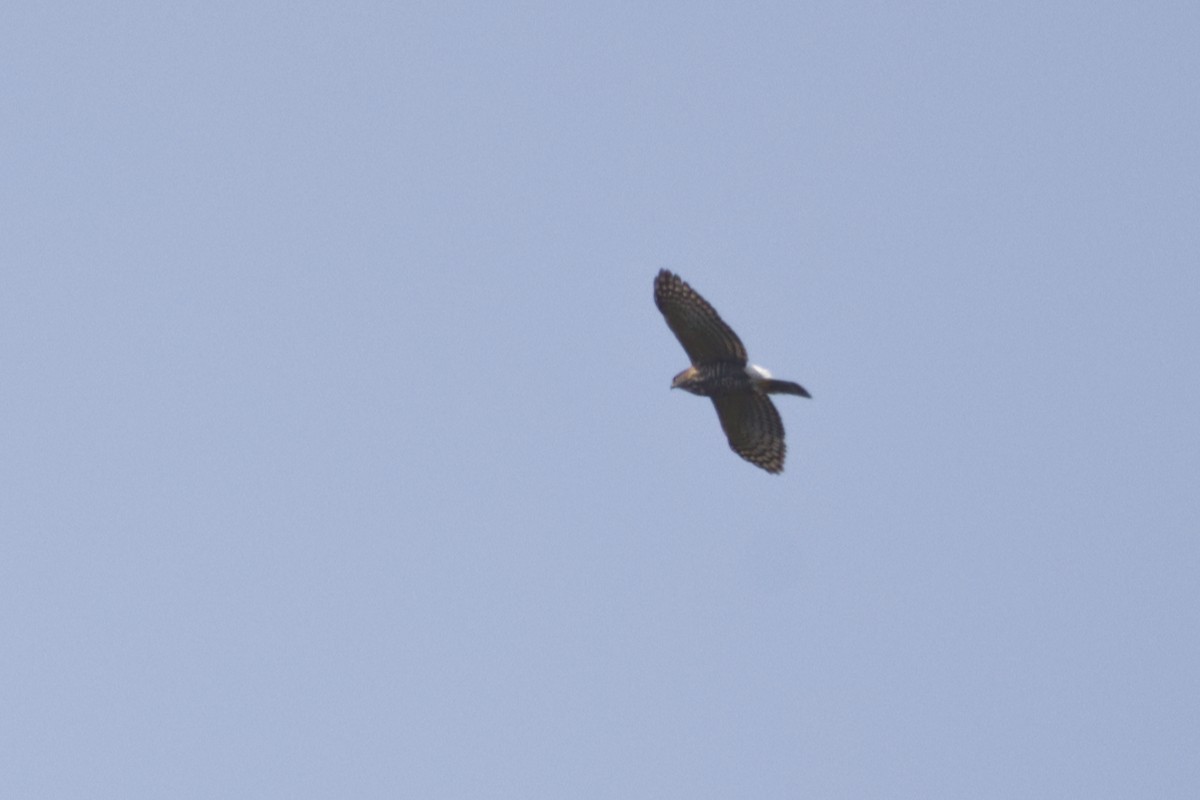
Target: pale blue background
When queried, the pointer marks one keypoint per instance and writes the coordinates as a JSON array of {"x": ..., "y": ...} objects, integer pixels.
[{"x": 338, "y": 453}]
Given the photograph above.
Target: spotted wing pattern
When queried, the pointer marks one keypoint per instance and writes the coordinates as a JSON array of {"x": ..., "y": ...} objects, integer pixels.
[
  {"x": 754, "y": 429},
  {"x": 696, "y": 324}
]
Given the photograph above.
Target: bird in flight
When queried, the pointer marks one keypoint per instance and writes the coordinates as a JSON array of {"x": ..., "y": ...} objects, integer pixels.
[{"x": 720, "y": 370}]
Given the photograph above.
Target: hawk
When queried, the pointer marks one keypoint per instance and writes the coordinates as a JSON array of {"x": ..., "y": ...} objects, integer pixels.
[{"x": 720, "y": 370}]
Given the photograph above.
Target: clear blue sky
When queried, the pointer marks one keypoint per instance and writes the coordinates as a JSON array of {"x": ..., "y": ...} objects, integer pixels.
[{"x": 338, "y": 453}]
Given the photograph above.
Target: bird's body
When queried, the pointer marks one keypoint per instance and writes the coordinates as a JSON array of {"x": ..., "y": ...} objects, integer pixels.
[
  {"x": 729, "y": 377},
  {"x": 720, "y": 370},
  {"x": 715, "y": 379}
]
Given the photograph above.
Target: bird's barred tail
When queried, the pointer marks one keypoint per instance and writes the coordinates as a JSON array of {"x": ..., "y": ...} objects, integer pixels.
[{"x": 772, "y": 386}]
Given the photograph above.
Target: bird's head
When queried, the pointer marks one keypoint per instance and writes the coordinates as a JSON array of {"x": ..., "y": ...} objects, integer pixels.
[{"x": 684, "y": 378}]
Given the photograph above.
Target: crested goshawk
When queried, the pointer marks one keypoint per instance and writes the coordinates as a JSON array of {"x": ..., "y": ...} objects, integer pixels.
[{"x": 721, "y": 371}]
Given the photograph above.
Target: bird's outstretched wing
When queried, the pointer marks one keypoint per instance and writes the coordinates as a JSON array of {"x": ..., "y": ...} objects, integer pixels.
[
  {"x": 696, "y": 324},
  {"x": 754, "y": 429}
]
